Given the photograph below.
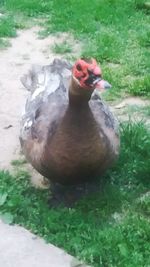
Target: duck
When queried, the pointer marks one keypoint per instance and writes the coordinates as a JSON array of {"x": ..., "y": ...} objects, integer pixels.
[{"x": 68, "y": 133}]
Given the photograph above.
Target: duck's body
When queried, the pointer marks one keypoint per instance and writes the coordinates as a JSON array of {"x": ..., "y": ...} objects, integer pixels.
[{"x": 66, "y": 137}]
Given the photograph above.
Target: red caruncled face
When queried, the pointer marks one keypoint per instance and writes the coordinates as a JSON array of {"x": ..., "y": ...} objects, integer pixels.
[{"x": 87, "y": 72}]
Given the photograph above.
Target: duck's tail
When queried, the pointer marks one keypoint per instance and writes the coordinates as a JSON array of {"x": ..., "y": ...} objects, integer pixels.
[
  {"x": 39, "y": 75},
  {"x": 31, "y": 80}
]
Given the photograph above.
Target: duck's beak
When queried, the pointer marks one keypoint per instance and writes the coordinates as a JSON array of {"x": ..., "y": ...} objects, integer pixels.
[{"x": 103, "y": 85}]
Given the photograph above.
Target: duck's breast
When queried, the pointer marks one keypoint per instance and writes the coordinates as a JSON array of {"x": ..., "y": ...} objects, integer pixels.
[{"x": 82, "y": 147}]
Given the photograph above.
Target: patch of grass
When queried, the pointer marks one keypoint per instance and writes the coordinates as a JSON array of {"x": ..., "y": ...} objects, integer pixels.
[
  {"x": 143, "y": 5},
  {"x": 141, "y": 86},
  {"x": 18, "y": 162},
  {"x": 23, "y": 22},
  {"x": 103, "y": 45},
  {"x": 61, "y": 48},
  {"x": 113, "y": 73},
  {"x": 30, "y": 8},
  {"x": 7, "y": 27},
  {"x": 109, "y": 228},
  {"x": 144, "y": 39},
  {"x": 144, "y": 203},
  {"x": 4, "y": 43},
  {"x": 146, "y": 111},
  {"x": 135, "y": 140},
  {"x": 142, "y": 110},
  {"x": 111, "y": 31}
]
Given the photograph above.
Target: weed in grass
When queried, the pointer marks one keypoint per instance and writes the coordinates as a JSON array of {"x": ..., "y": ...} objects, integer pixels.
[
  {"x": 90, "y": 230},
  {"x": 61, "y": 48},
  {"x": 42, "y": 34},
  {"x": 18, "y": 162}
]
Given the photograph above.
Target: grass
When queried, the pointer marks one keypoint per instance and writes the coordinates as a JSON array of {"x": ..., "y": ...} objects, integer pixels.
[
  {"x": 7, "y": 27},
  {"x": 141, "y": 86},
  {"x": 18, "y": 162},
  {"x": 4, "y": 43},
  {"x": 112, "y": 31},
  {"x": 110, "y": 228},
  {"x": 138, "y": 110},
  {"x": 61, "y": 48}
]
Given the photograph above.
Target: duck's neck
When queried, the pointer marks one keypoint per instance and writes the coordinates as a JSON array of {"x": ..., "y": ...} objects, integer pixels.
[{"x": 78, "y": 96}]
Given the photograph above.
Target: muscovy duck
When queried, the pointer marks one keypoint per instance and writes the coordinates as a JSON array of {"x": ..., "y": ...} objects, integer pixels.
[{"x": 68, "y": 133}]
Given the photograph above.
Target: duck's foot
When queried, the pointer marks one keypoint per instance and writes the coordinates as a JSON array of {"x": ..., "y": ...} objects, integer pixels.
[{"x": 67, "y": 196}]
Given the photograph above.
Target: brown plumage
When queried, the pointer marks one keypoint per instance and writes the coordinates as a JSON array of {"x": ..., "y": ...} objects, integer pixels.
[{"x": 68, "y": 133}]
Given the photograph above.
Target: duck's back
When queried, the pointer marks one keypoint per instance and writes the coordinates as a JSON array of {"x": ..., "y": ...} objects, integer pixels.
[
  {"x": 64, "y": 143},
  {"x": 45, "y": 106}
]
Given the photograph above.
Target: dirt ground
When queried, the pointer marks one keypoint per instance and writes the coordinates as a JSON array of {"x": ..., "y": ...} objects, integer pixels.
[{"x": 25, "y": 50}]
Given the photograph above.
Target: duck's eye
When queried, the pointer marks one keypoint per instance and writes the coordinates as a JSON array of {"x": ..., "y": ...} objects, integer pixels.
[{"x": 78, "y": 66}]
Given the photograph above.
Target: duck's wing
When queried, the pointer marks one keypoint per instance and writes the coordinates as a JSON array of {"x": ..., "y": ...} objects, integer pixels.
[
  {"x": 107, "y": 124},
  {"x": 48, "y": 86},
  {"x": 103, "y": 114}
]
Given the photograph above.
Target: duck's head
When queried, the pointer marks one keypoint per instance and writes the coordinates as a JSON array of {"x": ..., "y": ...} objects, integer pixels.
[{"x": 88, "y": 75}]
